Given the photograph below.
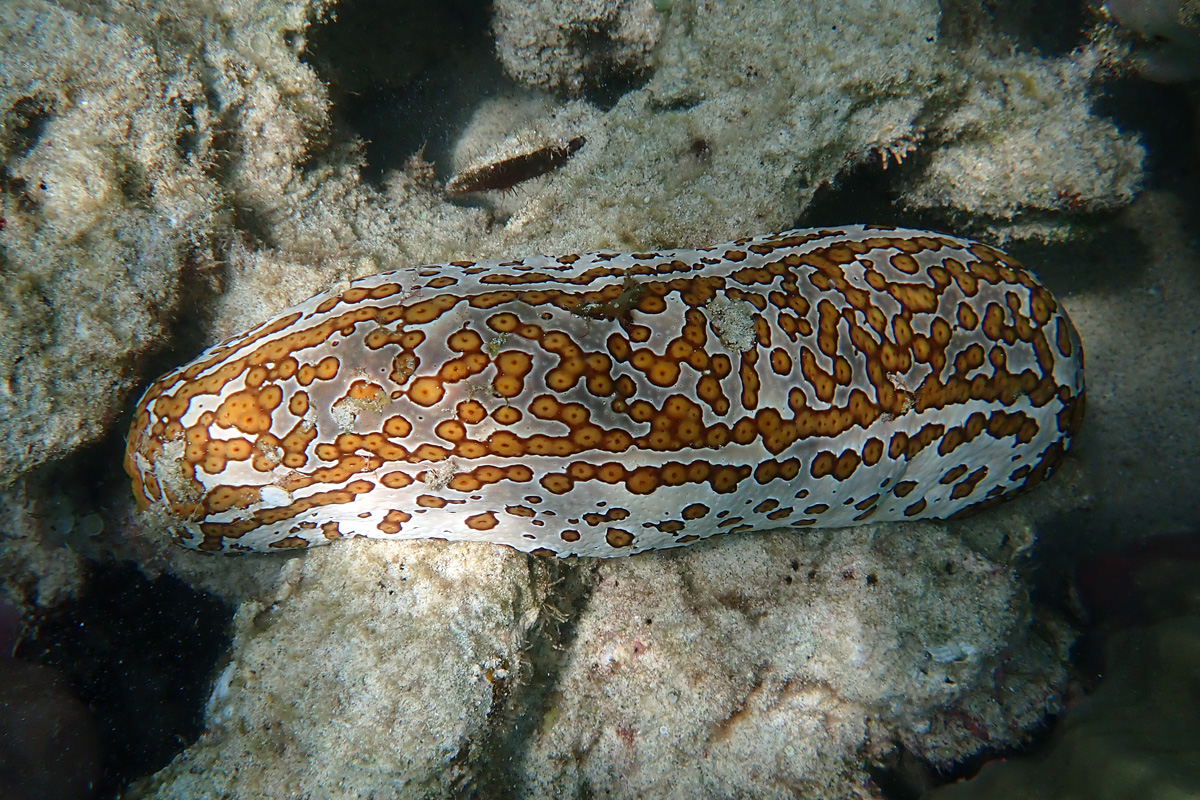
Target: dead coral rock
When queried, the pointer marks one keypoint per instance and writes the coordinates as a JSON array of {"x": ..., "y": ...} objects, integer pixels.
[
  {"x": 723, "y": 141},
  {"x": 103, "y": 199},
  {"x": 1136, "y": 737},
  {"x": 769, "y": 666},
  {"x": 1027, "y": 152},
  {"x": 575, "y": 46},
  {"x": 375, "y": 666}
]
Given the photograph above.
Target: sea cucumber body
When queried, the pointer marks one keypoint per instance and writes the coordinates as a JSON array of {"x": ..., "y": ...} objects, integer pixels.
[{"x": 607, "y": 404}]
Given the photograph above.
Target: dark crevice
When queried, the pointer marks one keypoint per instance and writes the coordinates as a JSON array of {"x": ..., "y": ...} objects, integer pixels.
[
  {"x": 187, "y": 132},
  {"x": 549, "y": 645},
  {"x": 907, "y": 776},
  {"x": 1165, "y": 118},
  {"x": 1109, "y": 258},
  {"x": 16, "y": 188},
  {"x": 25, "y": 122},
  {"x": 142, "y": 655},
  {"x": 868, "y": 193},
  {"x": 1049, "y": 27},
  {"x": 405, "y": 76},
  {"x": 609, "y": 84},
  {"x": 1046, "y": 27}
]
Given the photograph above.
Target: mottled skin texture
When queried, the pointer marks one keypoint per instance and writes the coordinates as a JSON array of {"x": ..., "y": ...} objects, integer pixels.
[{"x": 607, "y": 404}]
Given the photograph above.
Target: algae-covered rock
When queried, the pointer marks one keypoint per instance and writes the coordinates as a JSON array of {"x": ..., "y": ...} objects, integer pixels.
[
  {"x": 577, "y": 45},
  {"x": 747, "y": 110},
  {"x": 754, "y": 667},
  {"x": 750, "y": 108},
  {"x": 139, "y": 150},
  {"x": 374, "y": 669},
  {"x": 783, "y": 665},
  {"x": 104, "y": 202},
  {"x": 1026, "y": 153}
]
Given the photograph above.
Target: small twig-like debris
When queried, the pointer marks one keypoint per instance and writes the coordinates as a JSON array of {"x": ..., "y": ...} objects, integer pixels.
[
  {"x": 631, "y": 293},
  {"x": 506, "y": 170}
]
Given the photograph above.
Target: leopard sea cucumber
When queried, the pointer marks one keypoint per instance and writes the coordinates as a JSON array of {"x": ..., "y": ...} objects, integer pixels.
[{"x": 611, "y": 403}]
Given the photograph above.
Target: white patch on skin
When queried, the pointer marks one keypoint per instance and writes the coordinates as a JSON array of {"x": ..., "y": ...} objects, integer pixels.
[{"x": 732, "y": 321}]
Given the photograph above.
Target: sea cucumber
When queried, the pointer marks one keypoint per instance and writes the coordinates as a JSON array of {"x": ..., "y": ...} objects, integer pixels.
[{"x": 611, "y": 403}]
